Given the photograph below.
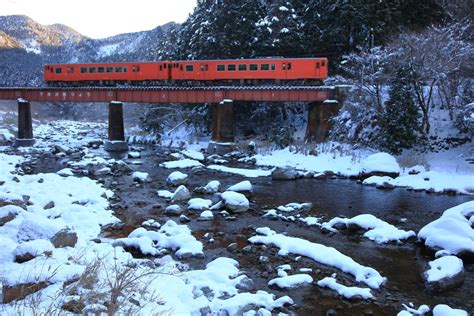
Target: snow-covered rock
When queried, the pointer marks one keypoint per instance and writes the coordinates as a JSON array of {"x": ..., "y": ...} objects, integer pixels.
[
  {"x": 235, "y": 202},
  {"x": 184, "y": 163},
  {"x": 31, "y": 249},
  {"x": 291, "y": 281},
  {"x": 380, "y": 164},
  {"x": 192, "y": 154},
  {"x": 210, "y": 188},
  {"x": 444, "y": 273},
  {"x": 377, "y": 230},
  {"x": 140, "y": 176},
  {"x": 181, "y": 194},
  {"x": 198, "y": 204},
  {"x": 206, "y": 215},
  {"x": 174, "y": 210},
  {"x": 177, "y": 178},
  {"x": 346, "y": 291},
  {"x": 284, "y": 173},
  {"x": 451, "y": 232},
  {"x": 165, "y": 194},
  {"x": 445, "y": 310},
  {"x": 244, "y": 187}
]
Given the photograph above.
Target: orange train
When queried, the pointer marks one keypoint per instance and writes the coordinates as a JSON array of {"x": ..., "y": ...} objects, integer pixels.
[{"x": 208, "y": 72}]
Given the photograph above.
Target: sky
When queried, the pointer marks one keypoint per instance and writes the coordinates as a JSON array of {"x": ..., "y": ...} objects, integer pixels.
[{"x": 102, "y": 18}]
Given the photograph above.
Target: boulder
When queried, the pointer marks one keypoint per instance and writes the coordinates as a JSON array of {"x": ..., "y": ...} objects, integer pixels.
[
  {"x": 284, "y": 173},
  {"x": 445, "y": 273},
  {"x": 181, "y": 194},
  {"x": 121, "y": 167},
  {"x": 244, "y": 187},
  {"x": 177, "y": 178},
  {"x": 198, "y": 204},
  {"x": 380, "y": 164},
  {"x": 210, "y": 188},
  {"x": 8, "y": 213},
  {"x": 64, "y": 238},
  {"x": 235, "y": 202},
  {"x": 31, "y": 249},
  {"x": 174, "y": 210}
]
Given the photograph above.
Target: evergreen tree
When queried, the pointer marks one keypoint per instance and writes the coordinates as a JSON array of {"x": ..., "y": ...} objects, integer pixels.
[{"x": 401, "y": 119}]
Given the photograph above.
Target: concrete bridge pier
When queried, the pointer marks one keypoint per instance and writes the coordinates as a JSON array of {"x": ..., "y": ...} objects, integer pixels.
[
  {"x": 25, "y": 126},
  {"x": 222, "y": 128},
  {"x": 116, "y": 139},
  {"x": 319, "y": 119}
]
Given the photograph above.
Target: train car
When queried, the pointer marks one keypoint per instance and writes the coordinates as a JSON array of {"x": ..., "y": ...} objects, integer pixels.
[
  {"x": 310, "y": 70},
  {"x": 234, "y": 71},
  {"x": 106, "y": 73}
]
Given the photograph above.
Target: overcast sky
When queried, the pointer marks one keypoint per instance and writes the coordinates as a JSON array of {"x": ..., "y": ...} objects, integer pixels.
[{"x": 102, "y": 18}]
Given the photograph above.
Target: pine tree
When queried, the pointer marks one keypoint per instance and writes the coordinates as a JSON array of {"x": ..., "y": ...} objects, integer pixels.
[{"x": 401, "y": 118}]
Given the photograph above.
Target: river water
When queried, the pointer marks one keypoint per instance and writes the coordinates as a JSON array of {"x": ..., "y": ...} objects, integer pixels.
[{"x": 401, "y": 264}]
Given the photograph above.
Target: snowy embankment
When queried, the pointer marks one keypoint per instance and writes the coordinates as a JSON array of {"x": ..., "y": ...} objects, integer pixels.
[{"x": 379, "y": 169}]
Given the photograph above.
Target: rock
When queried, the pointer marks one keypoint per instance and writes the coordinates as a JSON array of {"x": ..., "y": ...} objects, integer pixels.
[
  {"x": 140, "y": 177},
  {"x": 8, "y": 213},
  {"x": 174, "y": 210},
  {"x": 95, "y": 309},
  {"x": 199, "y": 205},
  {"x": 20, "y": 291},
  {"x": 380, "y": 164},
  {"x": 445, "y": 273},
  {"x": 232, "y": 247},
  {"x": 49, "y": 205},
  {"x": 181, "y": 194},
  {"x": 60, "y": 149},
  {"x": 12, "y": 199},
  {"x": 247, "y": 249},
  {"x": 206, "y": 216},
  {"x": 177, "y": 178},
  {"x": 246, "y": 284},
  {"x": 134, "y": 154},
  {"x": 64, "y": 238},
  {"x": 210, "y": 188},
  {"x": 284, "y": 173},
  {"x": 385, "y": 186},
  {"x": 121, "y": 167},
  {"x": 183, "y": 219},
  {"x": 235, "y": 202},
  {"x": 244, "y": 187},
  {"x": 31, "y": 249}
]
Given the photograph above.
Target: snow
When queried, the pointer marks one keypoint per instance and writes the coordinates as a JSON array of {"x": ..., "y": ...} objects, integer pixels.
[
  {"x": 319, "y": 253},
  {"x": 452, "y": 231},
  {"x": 212, "y": 186},
  {"x": 66, "y": 172},
  {"x": 144, "y": 244},
  {"x": 134, "y": 154},
  {"x": 185, "y": 163},
  {"x": 241, "y": 186},
  {"x": 140, "y": 176},
  {"x": 176, "y": 176},
  {"x": 291, "y": 281},
  {"x": 377, "y": 229},
  {"x": 445, "y": 310},
  {"x": 198, "y": 204},
  {"x": 346, "y": 291},
  {"x": 193, "y": 154},
  {"x": 34, "y": 247},
  {"x": 423, "y": 309},
  {"x": 165, "y": 194},
  {"x": 444, "y": 267},
  {"x": 170, "y": 236},
  {"x": 235, "y": 198},
  {"x": 380, "y": 162},
  {"x": 311, "y": 220},
  {"x": 207, "y": 215},
  {"x": 249, "y": 173}
]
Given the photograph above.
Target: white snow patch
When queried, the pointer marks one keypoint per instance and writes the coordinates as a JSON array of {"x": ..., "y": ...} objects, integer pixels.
[
  {"x": 346, "y": 291},
  {"x": 249, "y": 173},
  {"x": 291, "y": 281},
  {"x": 444, "y": 267},
  {"x": 185, "y": 163}
]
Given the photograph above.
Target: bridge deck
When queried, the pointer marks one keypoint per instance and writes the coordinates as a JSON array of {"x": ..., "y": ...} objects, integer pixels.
[{"x": 170, "y": 94}]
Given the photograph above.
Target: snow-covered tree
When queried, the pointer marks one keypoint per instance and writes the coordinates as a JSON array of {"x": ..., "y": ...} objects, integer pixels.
[{"x": 400, "y": 122}]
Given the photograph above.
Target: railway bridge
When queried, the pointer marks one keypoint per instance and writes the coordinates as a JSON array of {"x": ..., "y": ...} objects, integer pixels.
[{"x": 324, "y": 103}]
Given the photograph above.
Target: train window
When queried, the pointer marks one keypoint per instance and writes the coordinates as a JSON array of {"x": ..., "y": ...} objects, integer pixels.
[
  {"x": 220, "y": 68},
  {"x": 264, "y": 66},
  {"x": 323, "y": 64},
  {"x": 283, "y": 66},
  {"x": 253, "y": 67},
  {"x": 181, "y": 67},
  {"x": 161, "y": 67},
  {"x": 92, "y": 70},
  {"x": 134, "y": 68},
  {"x": 317, "y": 65},
  {"x": 100, "y": 69},
  {"x": 83, "y": 70},
  {"x": 58, "y": 70},
  {"x": 206, "y": 68},
  {"x": 242, "y": 67},
  {"x": 289, "y": 66},
  {"x": 273, "y": 66},
  {"x": 118, "y": 69},
  {"x": 110, "y": 69},
  {"x": 125, "y": 69},
  {"x": 231, "y": 67},
  {"x": 189, "y": 68},
  {"x": 70, "y": 70}
]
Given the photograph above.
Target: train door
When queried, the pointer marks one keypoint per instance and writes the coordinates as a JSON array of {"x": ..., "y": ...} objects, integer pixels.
[{"x": 203, "y": 69}]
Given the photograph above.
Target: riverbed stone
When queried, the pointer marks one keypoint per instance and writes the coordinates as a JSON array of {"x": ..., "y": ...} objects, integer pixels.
[
  {"x": 64, "y": 238},
  {"x": 284, "y": 173},
  {"x": 235, "y": 202},
  {"x": 177, "y": 178},
  {"x": 181, "y": 194},
  {"x": 174, "y": 210}
]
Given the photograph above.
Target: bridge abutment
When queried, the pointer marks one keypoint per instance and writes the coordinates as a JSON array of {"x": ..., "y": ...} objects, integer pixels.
[
  {"x": 116, "y": 133},
  {"x": 25, "y": 125},
  {"x": 319, "y": 120},
  {"x": 222, "y": 128}
]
